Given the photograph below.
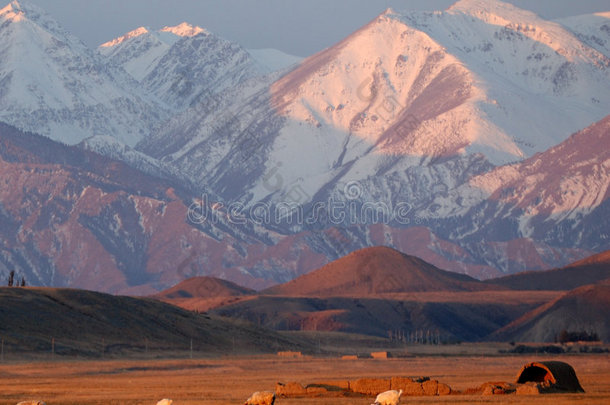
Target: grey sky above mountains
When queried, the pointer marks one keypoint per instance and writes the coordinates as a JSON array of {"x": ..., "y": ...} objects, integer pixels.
[{"x": 293, "y": 26}]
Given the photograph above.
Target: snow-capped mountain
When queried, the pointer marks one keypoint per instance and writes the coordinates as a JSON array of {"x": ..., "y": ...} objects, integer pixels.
[
  {"x": 404, "y": 112},
  {"x": 560, "y": 196},
  {"x": 181, "y": 65},
  {"x": 416, "y": 98},
  {"x": 72, "y": 218},
  {"x": 518, "y": 216},
  {"x": 51, "y": 83},
  {"x": 139, "y": 51},
  {"x": 69, "y": 217},
  {"x": 533, "y": 69}
]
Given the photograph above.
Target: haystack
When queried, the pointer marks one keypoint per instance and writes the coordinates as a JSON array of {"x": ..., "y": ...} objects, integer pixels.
[{"x": 556, "y": 374}]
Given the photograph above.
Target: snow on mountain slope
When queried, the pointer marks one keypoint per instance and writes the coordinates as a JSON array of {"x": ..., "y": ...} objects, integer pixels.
[
  {"x": 350, "y": 123},
  {"x": 139, "y": 51},
  {"x": 184, "y": 29},
  {"x": 52, "y": 84},
  {"x": 401, "y": 114},
  {"x": 560, "y": 196},
  {"x": 112, "y": 148},
  {"x": 408, "y": 111},
  {"x": 273, "y": 59},
  {"x": 371, "y": 82},
  {"x": 408, "y": 96},
  {"x": 72, "y": 218},
  {"x": 181, "y": 65},
  {"x": 530, "y": 68},
  {"x": 592, "y": 29}
]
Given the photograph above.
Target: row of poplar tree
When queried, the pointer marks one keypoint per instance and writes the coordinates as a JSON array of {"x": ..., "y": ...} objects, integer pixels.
[{"x": 11, "y": 280}]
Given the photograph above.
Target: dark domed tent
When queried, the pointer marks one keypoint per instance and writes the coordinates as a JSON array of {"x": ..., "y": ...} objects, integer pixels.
[{"x": 557, "y": 374}]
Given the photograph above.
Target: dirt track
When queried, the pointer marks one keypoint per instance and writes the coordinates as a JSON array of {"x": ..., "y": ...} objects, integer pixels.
[{"x": 231, "y": 380}]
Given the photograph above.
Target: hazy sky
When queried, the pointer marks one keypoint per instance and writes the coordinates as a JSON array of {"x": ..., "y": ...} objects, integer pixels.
[{"x": 300, "y": 27}]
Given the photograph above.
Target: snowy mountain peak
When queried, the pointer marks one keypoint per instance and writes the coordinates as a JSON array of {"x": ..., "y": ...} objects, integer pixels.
[
  {"x": 23, "y": 11},
  {"x": 11, "y": 12},
  {"x": 485, "y": 6},
  {"x": 181, "y": 64},
  {"x": 527, "y": 24},
  {"x": 185, "y": 30},
  {"x": 166, "y": 35},
  {"x": 131, "y": 34},
  {"x": 381, "y": 85},
  {"x": 20, "y": 8},
  {"x": 494, "y": 12}
]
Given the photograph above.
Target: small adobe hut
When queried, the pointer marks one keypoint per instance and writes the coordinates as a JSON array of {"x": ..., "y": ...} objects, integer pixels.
[{"x": 556, "y": 374}]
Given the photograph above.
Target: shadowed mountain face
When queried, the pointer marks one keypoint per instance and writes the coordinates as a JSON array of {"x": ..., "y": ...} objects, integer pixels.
[
  {"x": 373, "y": 271},
  {"x": 452, "y": 321},
  {"x": 587, "y": 271},
  {"x": 74, "y": 218},
  {"x": 583, "y": 310}
]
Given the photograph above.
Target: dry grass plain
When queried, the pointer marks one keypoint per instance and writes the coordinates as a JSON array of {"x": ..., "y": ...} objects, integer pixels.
[{"x": 230, "y": 380}]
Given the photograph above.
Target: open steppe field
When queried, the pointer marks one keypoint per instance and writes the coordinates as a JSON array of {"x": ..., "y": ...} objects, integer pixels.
[{"x": 230, "y": 380}]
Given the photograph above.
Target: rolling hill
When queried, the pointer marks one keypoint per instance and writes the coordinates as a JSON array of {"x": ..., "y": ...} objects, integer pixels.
[
  {"x": 87, "y": 323},
  {"x": 204, "y": 287},
  {"x": 201, "y": 294},
  {"x": 585, "y": 309},
  {"x": 380, "y": 291},
  {"x": 374, "y": 291},
  {"x": 373, "y": 271}
]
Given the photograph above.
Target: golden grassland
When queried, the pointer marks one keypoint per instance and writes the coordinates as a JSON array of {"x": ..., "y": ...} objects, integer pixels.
[{"x": 230, "y": 380}]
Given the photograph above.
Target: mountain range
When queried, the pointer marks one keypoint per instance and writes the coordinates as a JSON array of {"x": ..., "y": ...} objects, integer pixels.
[{"x": 475, "y": 138}]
